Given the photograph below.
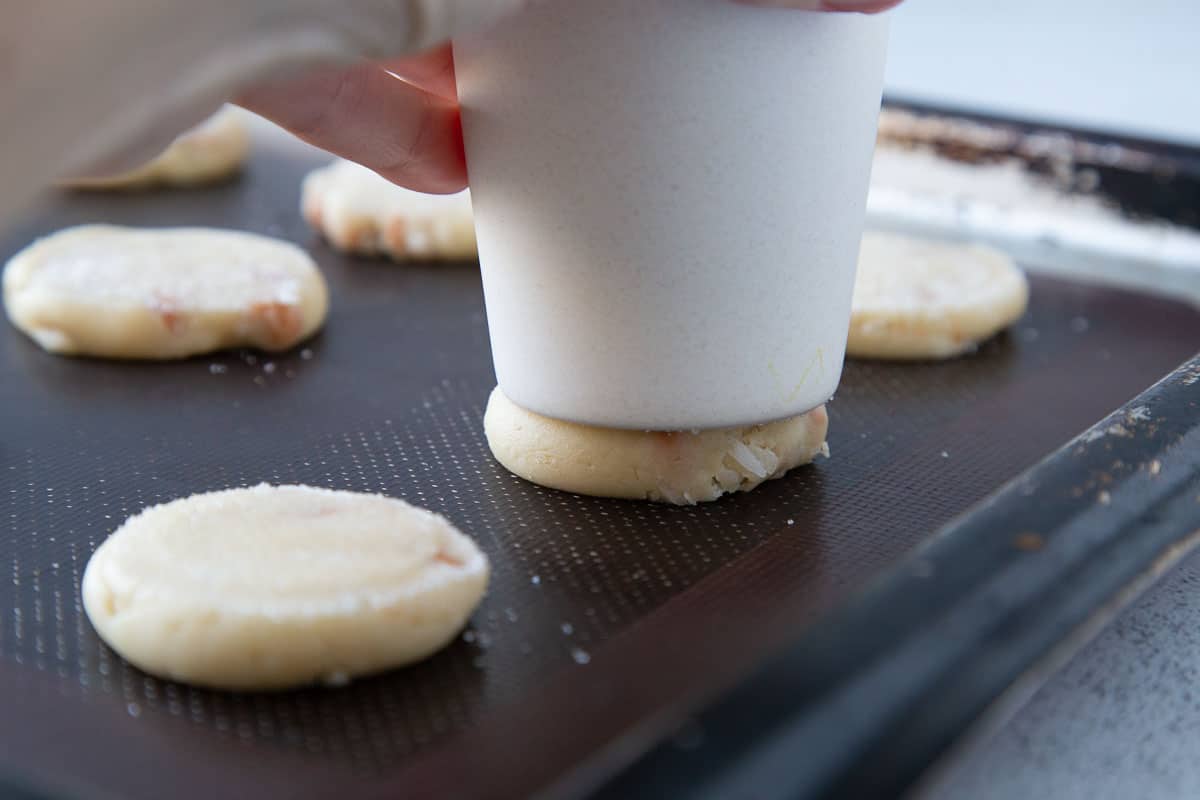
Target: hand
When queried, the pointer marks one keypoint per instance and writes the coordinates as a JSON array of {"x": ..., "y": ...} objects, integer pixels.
[
  {"x": 407, "y": 130},
  {"x": 129, "y": 108}
]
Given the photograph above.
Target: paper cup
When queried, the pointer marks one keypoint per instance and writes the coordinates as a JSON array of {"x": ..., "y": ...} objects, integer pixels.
[{"x": 669, "y": 197}]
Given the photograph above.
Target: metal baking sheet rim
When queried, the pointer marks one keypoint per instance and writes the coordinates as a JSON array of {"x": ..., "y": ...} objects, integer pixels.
[
  {"x": 1006, "y": 706},
  {"x": 1089, "y": 525}
]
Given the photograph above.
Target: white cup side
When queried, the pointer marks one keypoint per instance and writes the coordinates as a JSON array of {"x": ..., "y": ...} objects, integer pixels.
[{"x": 669, "y": 197}]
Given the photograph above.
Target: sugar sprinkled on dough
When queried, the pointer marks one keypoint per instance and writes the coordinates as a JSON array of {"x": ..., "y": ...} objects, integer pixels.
[
  {"x": 164, "y": 293},
  {"x": 274, "y": 586},
  {"x": 922, "y": 298}
]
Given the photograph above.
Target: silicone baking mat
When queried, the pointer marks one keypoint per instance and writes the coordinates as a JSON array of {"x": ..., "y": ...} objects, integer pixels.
[{"x": 600, "y": 613}]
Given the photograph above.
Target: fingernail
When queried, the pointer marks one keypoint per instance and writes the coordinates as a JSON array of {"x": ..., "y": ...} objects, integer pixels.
[
  {"x": 802, "y": 5},
  {"x": 861, "y": 6}
]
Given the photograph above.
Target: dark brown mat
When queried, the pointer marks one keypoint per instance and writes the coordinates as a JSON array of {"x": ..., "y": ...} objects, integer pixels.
[{"x": 600, "y": 612}]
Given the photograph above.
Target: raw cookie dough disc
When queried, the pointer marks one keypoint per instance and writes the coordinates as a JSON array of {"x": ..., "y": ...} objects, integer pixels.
[
  {"x": 361, "y": 212},
  {"x": 210, "y": 152},
  {"x": 926, "y": 299},
  {"x": 681, "y": 467},
  {"x": 101, "y": 290},
  {"x": 277, "y": 586}
]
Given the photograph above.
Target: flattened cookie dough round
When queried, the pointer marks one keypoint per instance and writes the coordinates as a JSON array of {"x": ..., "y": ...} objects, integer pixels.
[
  {"x": 680, "y": 467},
  {"x": 212, "y": 151},
  {"x": 925, "y": 299},
  {"x": 359, "y": 211},
  {"x": 276, "y": 586},
  {"x": 102, "y": 290}
]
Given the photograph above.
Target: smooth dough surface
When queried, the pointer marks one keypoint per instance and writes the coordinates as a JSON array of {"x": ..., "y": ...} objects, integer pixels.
[
  {"x": 681, "y": 467},
  {"x": 164, "y": 293},
  {"x": 212, "y": 151},
  {"x": 276, "y": 586},
  {"x": 925, "y": 299},
  {"x": 361, "y": 212}
]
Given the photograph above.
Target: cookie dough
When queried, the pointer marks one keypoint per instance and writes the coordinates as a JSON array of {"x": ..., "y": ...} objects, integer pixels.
[
  {"x": 680, "y": 467},
  {"x": 210, "y": 152},
  {"x": 276, "y": 586},
  {"x": 102, "y": 290},
  {"x": 925, "y": 299},
  {"x": 360, "y": 212}
]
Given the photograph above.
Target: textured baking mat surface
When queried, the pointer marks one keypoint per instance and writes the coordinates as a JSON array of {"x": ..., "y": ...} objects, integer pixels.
[{"x": 599, "y": 612}]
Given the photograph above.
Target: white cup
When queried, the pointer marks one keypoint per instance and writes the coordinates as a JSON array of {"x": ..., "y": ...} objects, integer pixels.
[{"x": 669, "y": 197}]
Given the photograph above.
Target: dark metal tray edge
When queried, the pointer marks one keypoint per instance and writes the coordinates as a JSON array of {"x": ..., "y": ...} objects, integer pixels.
[{"x": 873, "y": 700}]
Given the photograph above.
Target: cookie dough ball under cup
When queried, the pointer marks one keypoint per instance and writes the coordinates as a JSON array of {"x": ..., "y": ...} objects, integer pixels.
[
  {"x": 669, "y": 196},
  {"x": 679, "y": 467}
]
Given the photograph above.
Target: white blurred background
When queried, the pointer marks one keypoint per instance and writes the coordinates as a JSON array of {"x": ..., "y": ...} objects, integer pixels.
[{"x": 1125, "y": 66}]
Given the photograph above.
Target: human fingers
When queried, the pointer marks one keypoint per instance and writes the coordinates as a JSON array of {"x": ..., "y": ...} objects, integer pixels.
[
  {"x": 432, "y": 71},
  {"x": 411, "y": 136},
  {"x": 861, "y": 6}
]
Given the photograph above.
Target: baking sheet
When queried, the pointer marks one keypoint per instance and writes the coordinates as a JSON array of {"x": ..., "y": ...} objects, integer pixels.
[{"x": 600, "y": 612}]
